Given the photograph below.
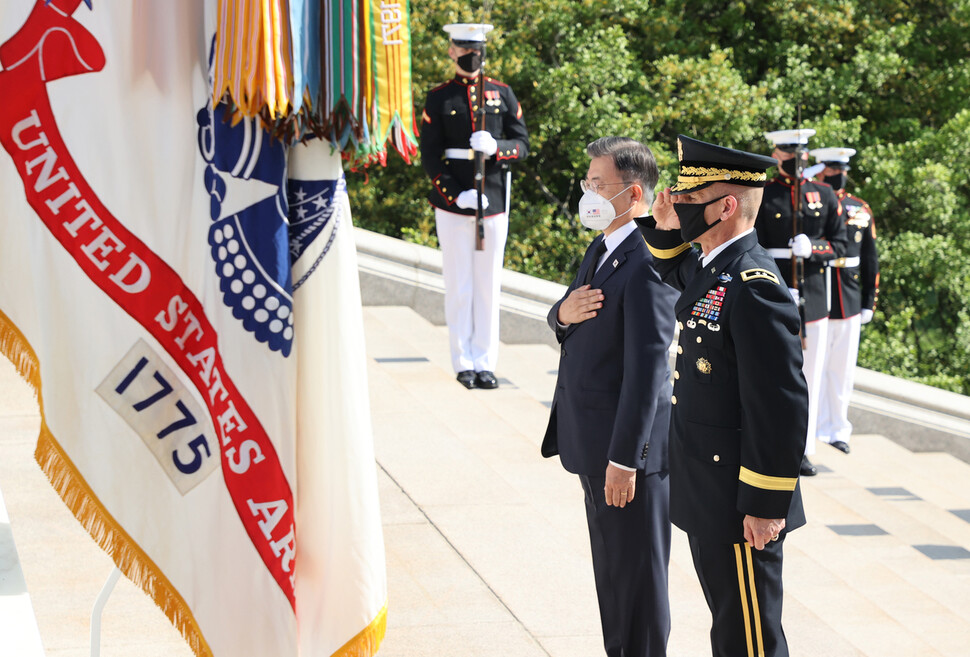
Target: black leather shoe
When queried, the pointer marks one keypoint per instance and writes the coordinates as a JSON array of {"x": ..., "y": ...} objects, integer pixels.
[
  {"x": 841, "y": 445},
  {"x": 807, "y": 469},
  {"x": 467, "y": 379},
  {"x": 486, "y": 380}
]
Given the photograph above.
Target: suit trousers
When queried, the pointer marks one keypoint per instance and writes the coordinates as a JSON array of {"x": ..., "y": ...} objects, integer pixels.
[
  {"x": 837, "y": 379},
  {"x": 631, "y": 550},
  {"x": 743, "y": 589},
  {"x": 473, "y": 281},
  {"x": 816, "y": 340}
]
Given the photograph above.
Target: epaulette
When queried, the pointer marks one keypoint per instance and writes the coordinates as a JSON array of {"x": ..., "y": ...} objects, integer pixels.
[
  {"x": 494, "y": 81},
  {"x": 756, "y": 273},
  {"x": 440, "y": 86}
]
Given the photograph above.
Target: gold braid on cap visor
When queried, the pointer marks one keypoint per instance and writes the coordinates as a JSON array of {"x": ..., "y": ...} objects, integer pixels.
[{"x": 693, "y": 176}]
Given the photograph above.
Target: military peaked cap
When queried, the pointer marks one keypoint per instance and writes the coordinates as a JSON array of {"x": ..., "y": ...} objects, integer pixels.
[
  {"x": 833, "y": 157},
  {"x": 703, "y": 164},
  {"x": 468, "y": 35}
]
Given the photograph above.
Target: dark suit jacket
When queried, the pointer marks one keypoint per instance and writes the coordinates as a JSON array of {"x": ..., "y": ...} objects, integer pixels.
[
  {"x": 612, "y": 400},
  {"x": 740, "y": 409}
]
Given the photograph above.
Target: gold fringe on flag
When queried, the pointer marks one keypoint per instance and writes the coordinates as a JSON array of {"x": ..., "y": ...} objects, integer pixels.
[
  {"x": 368, "y": 640},
  {"x": 84, "y": 504}
]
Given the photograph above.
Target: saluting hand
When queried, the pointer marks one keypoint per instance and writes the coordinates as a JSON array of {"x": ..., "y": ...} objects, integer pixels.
[
  {"x": 663, "y": 211},
  {"x": 759, "y": 531},
  {"x": 581, "y": 304}
]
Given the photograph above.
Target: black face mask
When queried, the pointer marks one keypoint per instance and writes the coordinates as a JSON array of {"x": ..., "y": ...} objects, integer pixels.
[
  {"x": 470, "y": 62},
  {"x": 691, "y": 215},
  {"x": 788, "y": 166},
  {"x": 837, "y": 181}
]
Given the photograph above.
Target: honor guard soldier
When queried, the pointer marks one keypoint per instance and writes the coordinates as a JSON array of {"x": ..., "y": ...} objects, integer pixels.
[
  {"x": 855, "y": 285},
  {"x": 450, "y": 139},
  {"x": 740, "y": 401},
  {"x": 806, "y": 245}
]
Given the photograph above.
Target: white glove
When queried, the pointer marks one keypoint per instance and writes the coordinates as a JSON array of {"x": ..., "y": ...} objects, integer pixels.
[
  {"x": 801, "y": 246},
  {"x": 468, "y": 200},
  {"x": 794, "y": 294},
  {"x": 483, "y": 142},
  {"x": 865, "y": 316}
]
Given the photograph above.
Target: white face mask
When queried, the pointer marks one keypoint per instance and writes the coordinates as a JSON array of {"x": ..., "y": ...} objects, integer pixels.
[{"x": 596, "y": 212}]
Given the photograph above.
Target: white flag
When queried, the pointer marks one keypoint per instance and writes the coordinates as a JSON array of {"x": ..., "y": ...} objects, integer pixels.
[{"x": 197, "y": 355}]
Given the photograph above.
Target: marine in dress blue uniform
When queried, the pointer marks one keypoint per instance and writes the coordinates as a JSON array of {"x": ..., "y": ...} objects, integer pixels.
[
  {"x": 611, "y": 410},
  {"x": 449, "y": 140},
  {"x": 855, "y": 285},
  {"x": 821, "y": 239},
  {"x": 740, "y": 401}
]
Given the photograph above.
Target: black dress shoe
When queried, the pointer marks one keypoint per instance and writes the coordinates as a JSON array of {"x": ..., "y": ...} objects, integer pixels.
[
  {"x": 807, "y": 469},
  {"x": 467, "y": 379},
  {"x": 486, "y": 380},
  {"x": 840, "y": 445}
]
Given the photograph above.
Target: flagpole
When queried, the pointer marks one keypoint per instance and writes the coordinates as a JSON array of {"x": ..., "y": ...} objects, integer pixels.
[{"x": 96, "y": 612}]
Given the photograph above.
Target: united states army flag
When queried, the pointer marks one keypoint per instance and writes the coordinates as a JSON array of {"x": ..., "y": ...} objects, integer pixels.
[{"x": 181, "y": 291}]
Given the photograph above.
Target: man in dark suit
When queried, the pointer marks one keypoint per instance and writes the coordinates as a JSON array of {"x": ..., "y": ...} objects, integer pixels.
[
  {"x": 611, "y": 409},
  {"x": 740, "y": 405}
]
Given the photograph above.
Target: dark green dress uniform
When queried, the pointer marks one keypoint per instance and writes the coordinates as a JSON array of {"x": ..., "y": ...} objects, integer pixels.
[
  {"x": 855, "y": 277},
  {"x": 821, "y": 221},
  {"x": 446, "y": 126},
  {"x": 739, "y": 414}
]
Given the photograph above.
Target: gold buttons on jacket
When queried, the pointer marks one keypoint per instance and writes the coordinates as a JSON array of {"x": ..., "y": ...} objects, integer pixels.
[
  {"x": 680, "y": 349},
  {"x": 673, "y": 400},
  {"x": 676, "y": 374},
  {"x": 717, "y": 457},
  {"x": 699, "y": 339}
]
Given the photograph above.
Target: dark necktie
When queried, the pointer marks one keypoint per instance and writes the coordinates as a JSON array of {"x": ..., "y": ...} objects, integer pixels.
[{"x": 597, "y": 254}]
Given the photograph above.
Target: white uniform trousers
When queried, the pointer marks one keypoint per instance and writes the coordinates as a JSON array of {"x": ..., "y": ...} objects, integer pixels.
[
  {"x": 837, "y": 379},
  {"x": 473, "y": 281},
  {"x": 816, "y": 339}
]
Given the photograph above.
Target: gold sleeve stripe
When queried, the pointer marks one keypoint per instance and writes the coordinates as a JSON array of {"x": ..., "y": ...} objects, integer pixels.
[
  {"x": 667, "y": 254},
  {"x": 766, "y": 482}
]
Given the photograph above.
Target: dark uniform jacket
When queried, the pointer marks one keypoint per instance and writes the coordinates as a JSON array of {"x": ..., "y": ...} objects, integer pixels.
[
  {"x": 612, "y": 399},
  {"x": 821, "y": 220},
  {"x": 740, "y": 404},
  {"x": 855, "y": 287},
  {"x": 448, "y": 122}
]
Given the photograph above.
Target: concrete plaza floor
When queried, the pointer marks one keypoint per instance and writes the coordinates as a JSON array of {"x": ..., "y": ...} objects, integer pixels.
[{"x": 487, "y": 549}]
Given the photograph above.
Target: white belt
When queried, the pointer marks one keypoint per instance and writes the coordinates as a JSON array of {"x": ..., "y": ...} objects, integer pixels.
[
  {"x": 845, "y": 263},
  {"x": 459, "y": 154},
  {"x": 779, "y": 254}
]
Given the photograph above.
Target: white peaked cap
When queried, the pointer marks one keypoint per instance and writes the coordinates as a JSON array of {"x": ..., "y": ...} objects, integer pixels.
[
  {"x": 782, "y": 137},
  {"x": 832, "y": 154},
  {"x": 468, "y": 32}
]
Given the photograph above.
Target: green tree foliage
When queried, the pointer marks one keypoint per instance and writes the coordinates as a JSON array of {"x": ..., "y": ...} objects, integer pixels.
[{"x": 888, "y": 77}]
